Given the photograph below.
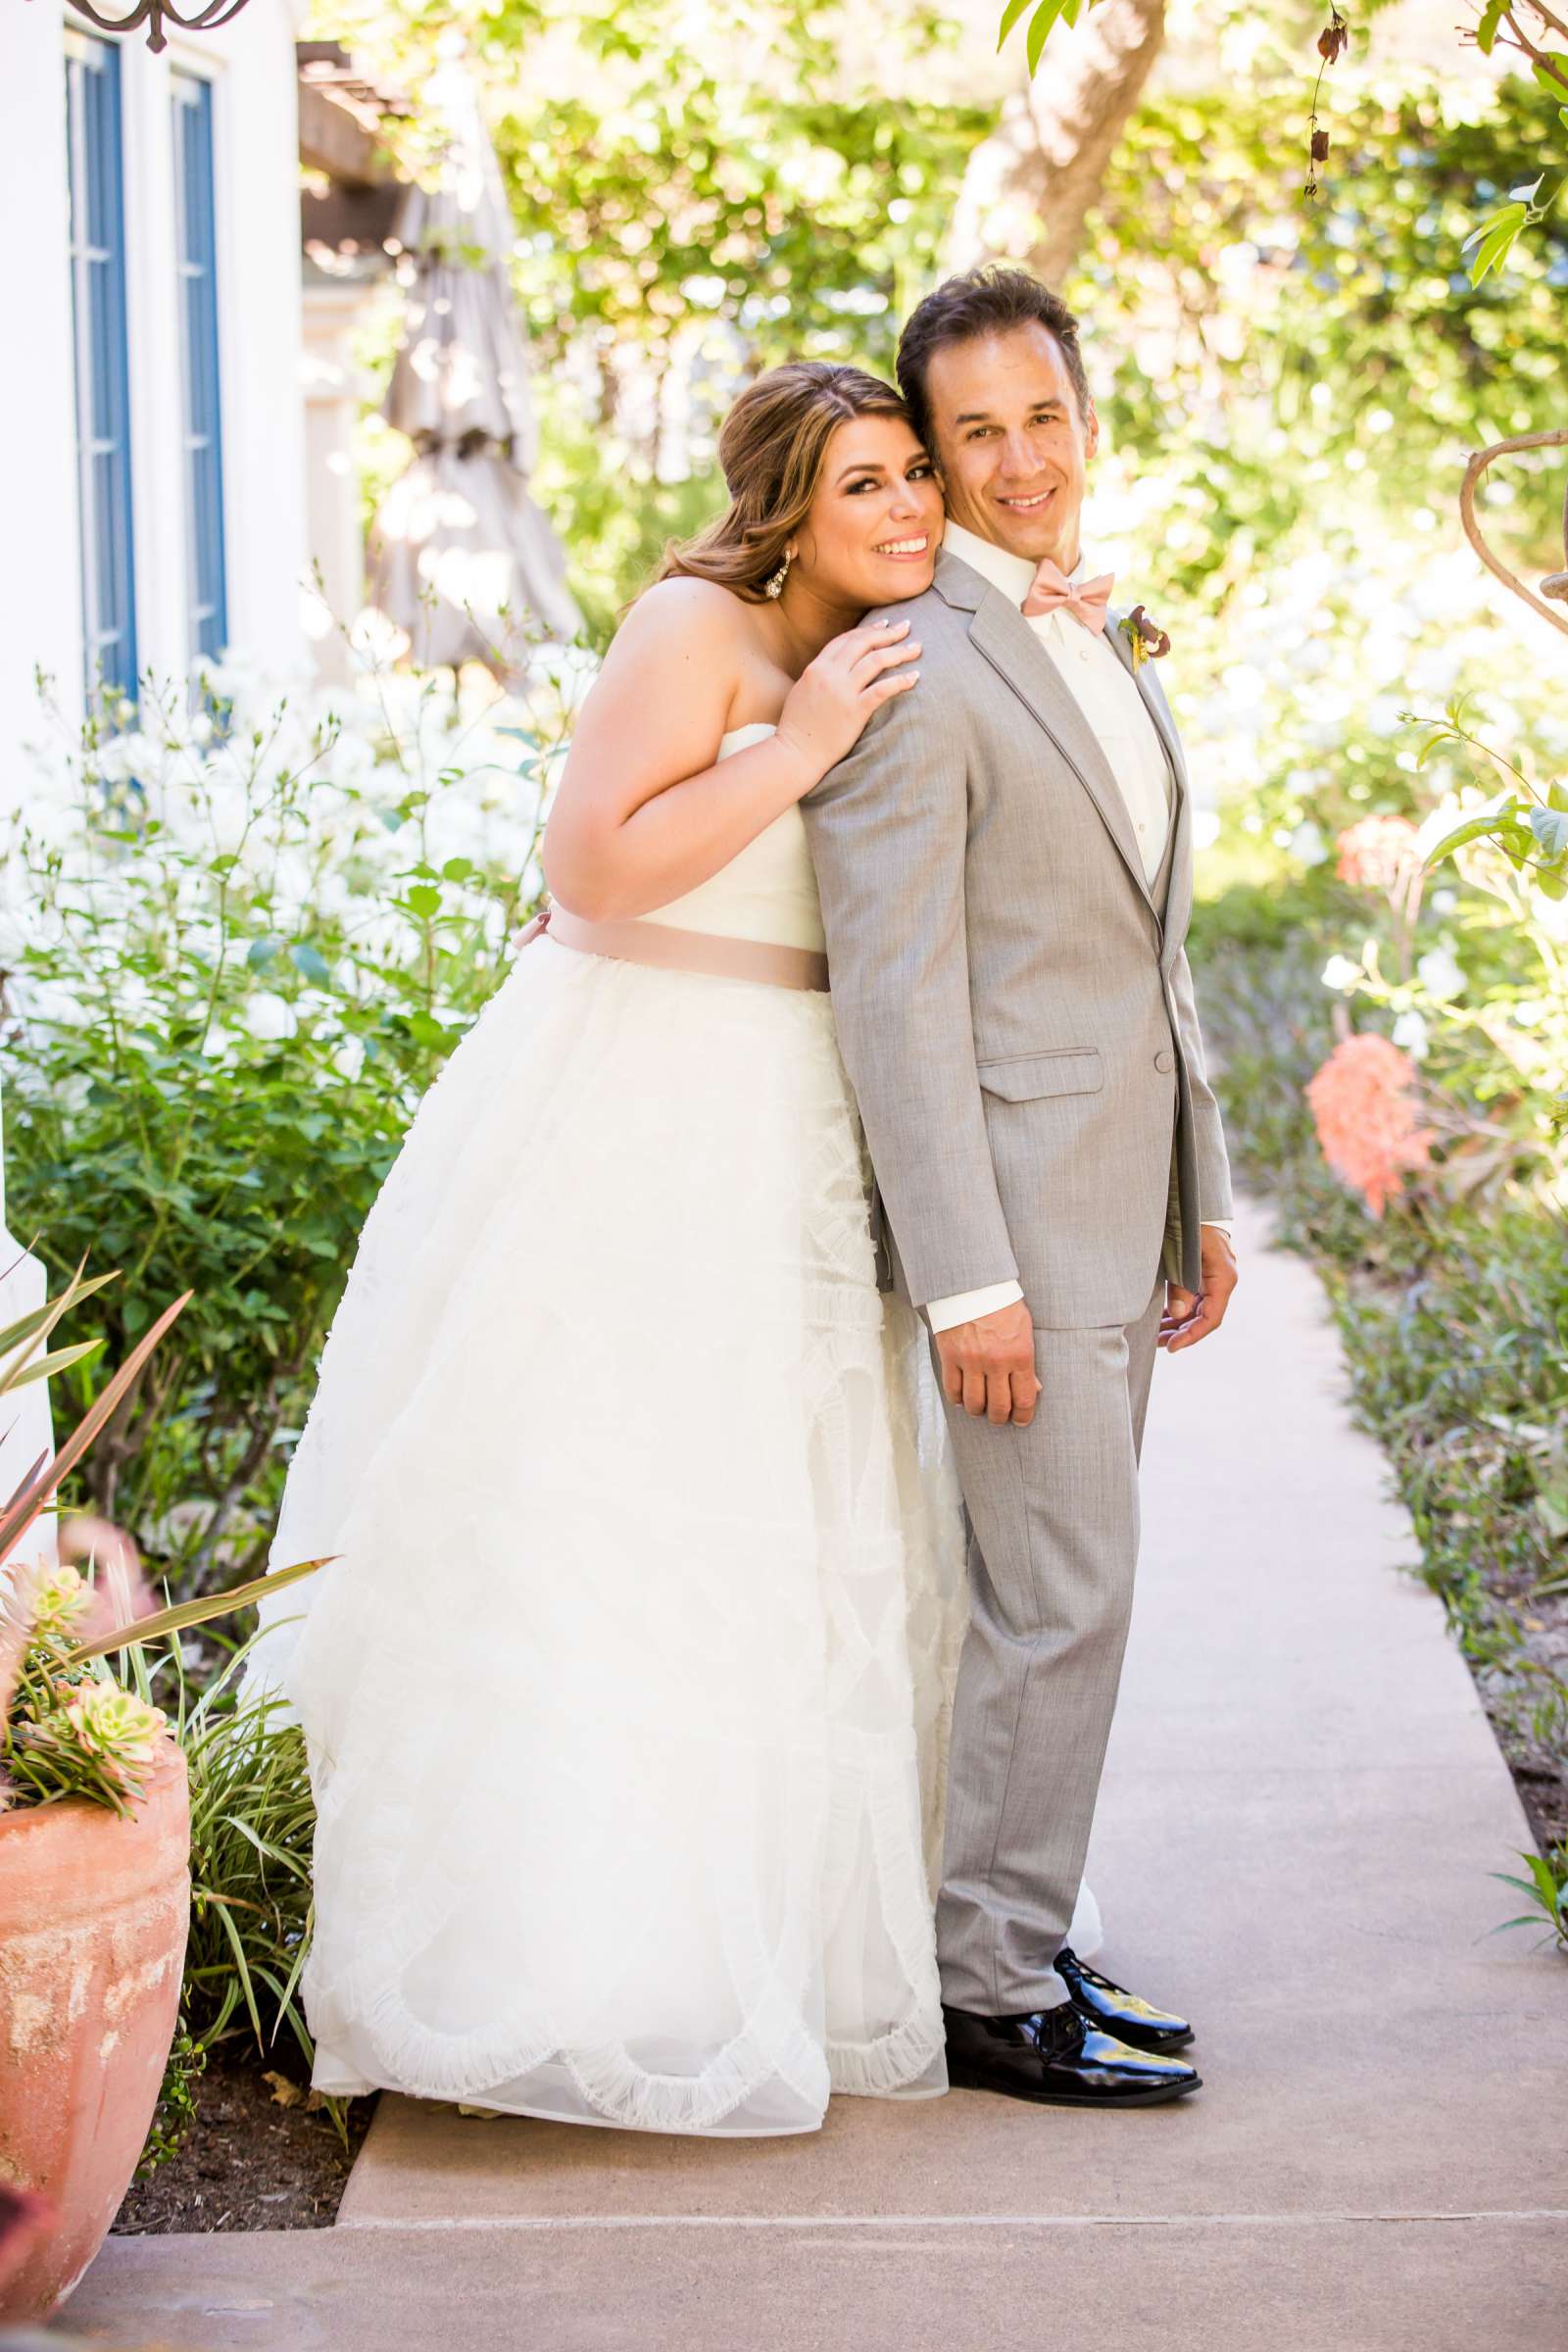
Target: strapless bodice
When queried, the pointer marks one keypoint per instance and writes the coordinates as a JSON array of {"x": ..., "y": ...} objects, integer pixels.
[{"x": 768, "y": 892}]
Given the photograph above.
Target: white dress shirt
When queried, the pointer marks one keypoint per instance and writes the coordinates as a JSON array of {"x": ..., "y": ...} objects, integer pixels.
[{"x": 1102, "y": 687}]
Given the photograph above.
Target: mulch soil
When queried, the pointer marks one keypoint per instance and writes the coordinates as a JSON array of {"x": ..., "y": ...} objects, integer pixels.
[{"x": 247, "y": 2162}]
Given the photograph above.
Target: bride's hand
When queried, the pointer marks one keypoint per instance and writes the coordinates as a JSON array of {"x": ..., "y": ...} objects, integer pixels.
[{"x": 830, "y": 701}]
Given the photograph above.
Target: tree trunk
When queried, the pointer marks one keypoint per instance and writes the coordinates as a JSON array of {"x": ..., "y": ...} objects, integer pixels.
[{"x": 1030, "y": 185}]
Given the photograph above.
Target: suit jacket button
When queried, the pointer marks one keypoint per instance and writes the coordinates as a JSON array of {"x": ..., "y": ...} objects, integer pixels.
[{"x": 1164, "y": 1060}]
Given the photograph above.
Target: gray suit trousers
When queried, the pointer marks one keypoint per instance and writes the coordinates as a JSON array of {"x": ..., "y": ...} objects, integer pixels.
[{"x": 1052, "y": 1517}]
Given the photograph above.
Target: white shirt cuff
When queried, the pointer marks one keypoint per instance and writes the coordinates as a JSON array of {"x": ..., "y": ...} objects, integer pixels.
[
  {"x": 965, "y": 1306},
  {"x": 945, "y": 1315}
]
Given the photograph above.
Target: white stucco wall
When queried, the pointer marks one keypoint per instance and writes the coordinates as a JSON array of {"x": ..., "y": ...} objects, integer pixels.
[{"x": 250, "y": 62}]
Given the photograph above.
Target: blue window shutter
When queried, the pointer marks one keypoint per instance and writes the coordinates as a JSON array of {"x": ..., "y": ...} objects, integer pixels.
[
  {"x": 97, "y": 252},
  {"x": 205, "y": 595}
]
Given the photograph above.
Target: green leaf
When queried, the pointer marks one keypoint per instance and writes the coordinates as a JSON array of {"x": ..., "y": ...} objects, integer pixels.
[
  {"x": 1487, "y": 29},
  {"x": 261, "y": 952},
  {"x": 1040, "y": 24},
  {"x": 310, "y": 962},
  {"x": 456, "y": 870},
  {"x": 57, "y": 1360},
  {"x": 1494, "y": 239},
  {"x": 1550, "y": 829},
  {"x": 423, "y": 900},
  {"x": 200, "y": 1611},
  {"x": 1474, "y": 828},
  {"x": 1546, "y": 1884},
  {"x": 242, "y": 1971},
  {"x": 1009, "y": 18},
  {"x": 43, "y": 1319}
]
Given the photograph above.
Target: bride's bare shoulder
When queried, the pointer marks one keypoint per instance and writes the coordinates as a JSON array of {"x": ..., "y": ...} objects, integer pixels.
[
  {"x": 683, "y": 647},
  {"x": 696, "y": 612}
]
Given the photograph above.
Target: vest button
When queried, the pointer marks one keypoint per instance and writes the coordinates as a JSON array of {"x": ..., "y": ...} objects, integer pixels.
[{"x": 1164, "y": 1060}]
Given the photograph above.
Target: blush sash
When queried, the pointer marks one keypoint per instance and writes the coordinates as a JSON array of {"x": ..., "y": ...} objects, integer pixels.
[{"x": 661, "y": 946}]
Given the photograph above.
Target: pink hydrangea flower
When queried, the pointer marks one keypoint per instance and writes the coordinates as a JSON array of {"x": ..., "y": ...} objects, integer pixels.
[{"x": 1368, "y": 1125}]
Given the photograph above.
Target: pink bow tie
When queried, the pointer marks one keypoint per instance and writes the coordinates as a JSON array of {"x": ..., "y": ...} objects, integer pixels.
[{"x": 1054, "y": 591}]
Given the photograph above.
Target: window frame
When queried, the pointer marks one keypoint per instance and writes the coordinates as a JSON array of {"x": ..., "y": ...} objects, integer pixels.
[
  {"x": 194, "y": 105},
  {"x": 103, "y": 424}
]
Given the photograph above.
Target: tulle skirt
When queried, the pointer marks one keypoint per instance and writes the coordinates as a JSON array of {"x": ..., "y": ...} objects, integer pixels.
[{"x": 628, "y": 1699}]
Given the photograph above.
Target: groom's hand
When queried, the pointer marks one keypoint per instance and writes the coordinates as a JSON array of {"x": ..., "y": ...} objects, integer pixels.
[
  {"x": 988, "y": 1366},
  {"x": 1191, "y": 1315}
]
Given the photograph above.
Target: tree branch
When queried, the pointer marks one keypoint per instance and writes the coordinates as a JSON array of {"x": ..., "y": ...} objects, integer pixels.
[
  {"x": 1553, "y": 24},
  {"x": 1030, "y": 186},
  {"x": 1531, "y": 49},
  {"x": 1480, "y": 460}
]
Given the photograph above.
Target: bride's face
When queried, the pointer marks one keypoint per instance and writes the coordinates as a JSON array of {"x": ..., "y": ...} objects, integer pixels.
[{"x": 874, "y": 526}]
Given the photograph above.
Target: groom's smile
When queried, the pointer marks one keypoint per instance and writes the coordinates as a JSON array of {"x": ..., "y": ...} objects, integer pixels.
[{"x": 1011, "y": 440}]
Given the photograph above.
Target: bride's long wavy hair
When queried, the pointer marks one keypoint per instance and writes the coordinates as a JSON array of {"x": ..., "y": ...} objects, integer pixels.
[{"x": 771, "y": 449}]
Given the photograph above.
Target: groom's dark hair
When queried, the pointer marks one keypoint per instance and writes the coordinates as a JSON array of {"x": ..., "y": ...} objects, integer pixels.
[{"x": 988, "y": 301}]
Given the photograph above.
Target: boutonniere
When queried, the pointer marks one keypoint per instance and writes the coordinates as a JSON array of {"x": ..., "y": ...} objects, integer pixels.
[{"x": 1146, "y": 637}]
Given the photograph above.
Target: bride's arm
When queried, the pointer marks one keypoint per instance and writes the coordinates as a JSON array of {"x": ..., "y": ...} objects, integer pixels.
[{"x": 644, "y": 814}]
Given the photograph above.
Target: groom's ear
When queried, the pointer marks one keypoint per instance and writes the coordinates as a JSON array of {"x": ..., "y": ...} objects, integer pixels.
[{"x": 1091, "y": 430}]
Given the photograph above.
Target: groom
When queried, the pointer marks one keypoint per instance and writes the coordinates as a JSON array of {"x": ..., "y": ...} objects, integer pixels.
[{"x": 1005, "y": 869}]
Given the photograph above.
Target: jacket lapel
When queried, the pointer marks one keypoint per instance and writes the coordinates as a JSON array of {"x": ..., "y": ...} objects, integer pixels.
[
  {"x": 1153, "y": 702},
  {"x": 1000, "y": 633},
  {"x": 1179, "y": 893}
]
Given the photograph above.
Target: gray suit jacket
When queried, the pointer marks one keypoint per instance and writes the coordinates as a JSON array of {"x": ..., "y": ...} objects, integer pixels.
[{"x": 1015, "y": 1013}]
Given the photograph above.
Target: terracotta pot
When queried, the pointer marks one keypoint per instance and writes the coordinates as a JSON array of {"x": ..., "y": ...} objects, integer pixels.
[{"x": 93, "y": 1918}]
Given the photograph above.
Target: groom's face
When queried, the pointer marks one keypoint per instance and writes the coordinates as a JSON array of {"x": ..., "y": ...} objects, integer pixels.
[{"x": 1011, "y": 442}]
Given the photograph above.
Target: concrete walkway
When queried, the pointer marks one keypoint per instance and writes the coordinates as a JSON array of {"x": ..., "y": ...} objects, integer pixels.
[{"x": 1302, "y": 1807}]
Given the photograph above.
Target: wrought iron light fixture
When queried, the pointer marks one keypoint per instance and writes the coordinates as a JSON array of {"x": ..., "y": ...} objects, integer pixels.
[{"x": 153, "y": 13}]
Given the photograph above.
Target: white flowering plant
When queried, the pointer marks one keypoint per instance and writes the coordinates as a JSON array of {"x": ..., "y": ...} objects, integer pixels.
[{"x": 239, "y": 937}]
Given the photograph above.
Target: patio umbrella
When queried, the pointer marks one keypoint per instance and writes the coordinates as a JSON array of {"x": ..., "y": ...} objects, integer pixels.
[{"x": 457, "y": 536}]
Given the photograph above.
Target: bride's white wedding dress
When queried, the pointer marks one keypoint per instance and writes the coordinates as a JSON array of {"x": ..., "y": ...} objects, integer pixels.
[{"x": 627, "y": 1698}]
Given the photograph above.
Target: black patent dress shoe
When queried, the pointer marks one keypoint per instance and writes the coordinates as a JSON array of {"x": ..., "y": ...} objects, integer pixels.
[
  {"x": 1116, "y": 2010},
  {"x": 1057, "y": 2058}
]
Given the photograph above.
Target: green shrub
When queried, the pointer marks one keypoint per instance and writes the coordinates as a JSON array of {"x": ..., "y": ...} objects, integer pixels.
[{"x": 252, "y": 1823}]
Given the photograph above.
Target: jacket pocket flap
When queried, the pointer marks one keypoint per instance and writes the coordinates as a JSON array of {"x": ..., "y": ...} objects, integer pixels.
[{"x": 1068, "y": 1071}]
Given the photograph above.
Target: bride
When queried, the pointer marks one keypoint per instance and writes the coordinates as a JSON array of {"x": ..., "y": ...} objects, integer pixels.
[{"x": 627, "y": 1699}]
